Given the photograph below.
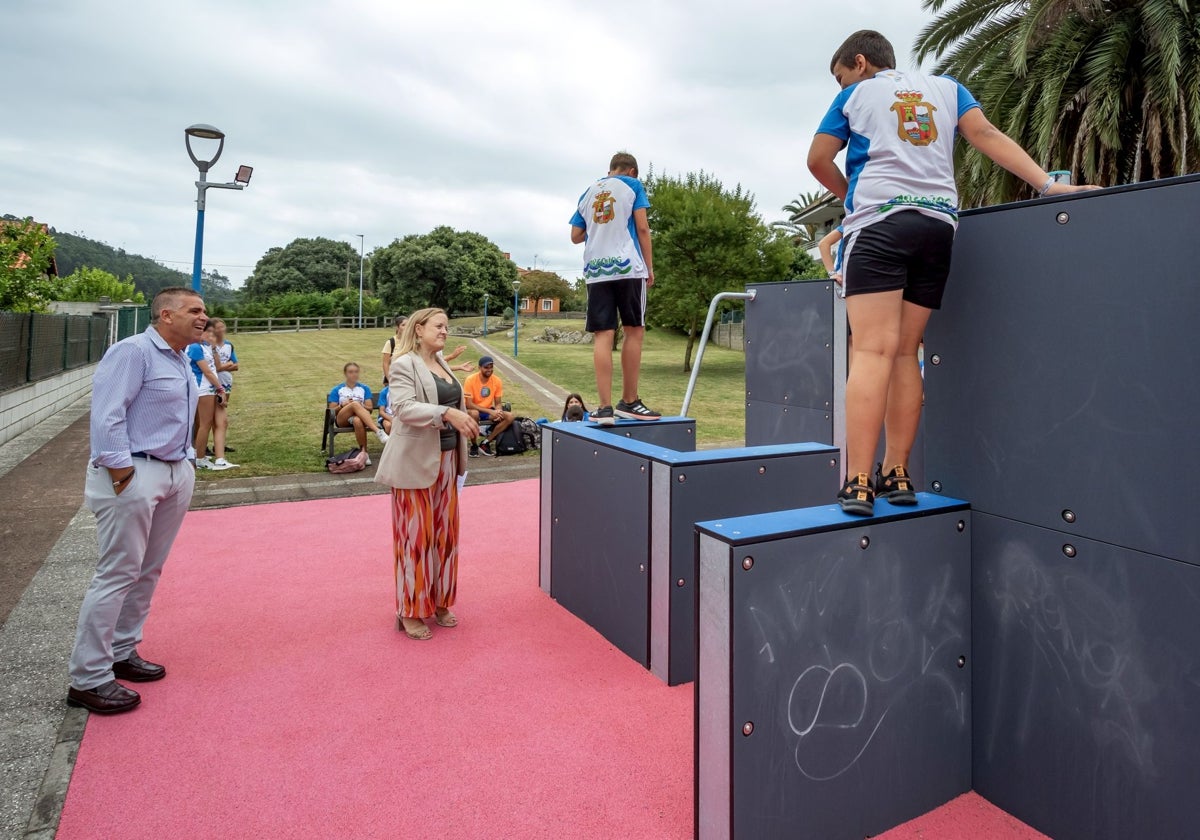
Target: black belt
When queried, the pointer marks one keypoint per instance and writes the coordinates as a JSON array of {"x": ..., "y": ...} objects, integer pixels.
[{"x": 146, "y": 456}]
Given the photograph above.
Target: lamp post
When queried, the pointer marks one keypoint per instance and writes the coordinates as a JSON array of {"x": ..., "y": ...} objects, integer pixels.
[
  {"x": 202, "y": 131},
  {"x": 485, "y": 300},
  {"x": 361, "y": 250},
  {"x": 516, "y": 314}
]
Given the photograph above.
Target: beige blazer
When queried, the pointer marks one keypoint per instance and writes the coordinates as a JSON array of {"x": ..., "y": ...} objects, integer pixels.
[{"x": 413, "y": 452}]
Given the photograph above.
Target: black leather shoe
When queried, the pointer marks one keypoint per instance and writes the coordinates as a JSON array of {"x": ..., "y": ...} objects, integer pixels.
[
  {"x": 136, "y": 669},
  {"x": 107, "y": 699}
]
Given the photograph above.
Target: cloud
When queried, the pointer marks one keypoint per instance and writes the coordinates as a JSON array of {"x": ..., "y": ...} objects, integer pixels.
[{"x": 386, "y": 119}]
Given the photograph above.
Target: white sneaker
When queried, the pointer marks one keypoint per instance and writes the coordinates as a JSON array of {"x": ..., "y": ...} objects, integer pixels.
[
  {"x": 382, "y": 435},
  {"x": 222, "y": 464},
  {"x": 368, "y": 460},
  {"x": 204, "y": 464}
]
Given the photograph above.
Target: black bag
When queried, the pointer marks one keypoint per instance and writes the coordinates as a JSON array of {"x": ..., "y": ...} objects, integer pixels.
[{"x": 510, "y": 441}]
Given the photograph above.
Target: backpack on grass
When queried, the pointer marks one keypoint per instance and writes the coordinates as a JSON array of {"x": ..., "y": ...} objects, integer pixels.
[
  {"x": 347, "y": 462},
  {"x": 510, "y": 441},
  {"x": 530, "y": 433}
]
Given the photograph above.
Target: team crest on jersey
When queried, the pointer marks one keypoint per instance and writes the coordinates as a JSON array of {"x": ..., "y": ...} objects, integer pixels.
[
  {"x": 915, "y": 116},
  {"x": 603, "y": 206}
]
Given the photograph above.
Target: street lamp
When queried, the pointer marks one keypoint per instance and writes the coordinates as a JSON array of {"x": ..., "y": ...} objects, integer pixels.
[
  {"x": 361, "y": 244},
  {"x": 516, "y": 316},
  {"x": 485, "y": 300},
  {"x": 241, "y": 180}
]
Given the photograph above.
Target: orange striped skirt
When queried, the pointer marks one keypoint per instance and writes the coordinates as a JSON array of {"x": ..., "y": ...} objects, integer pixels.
[{"x": 425, "y": 539}]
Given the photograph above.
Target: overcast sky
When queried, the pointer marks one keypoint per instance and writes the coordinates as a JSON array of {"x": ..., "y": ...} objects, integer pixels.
[{"x": 390, "y": 117}]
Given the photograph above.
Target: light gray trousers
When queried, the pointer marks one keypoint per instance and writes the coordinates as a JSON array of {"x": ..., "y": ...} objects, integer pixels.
[{"x": 135, "y": 531}]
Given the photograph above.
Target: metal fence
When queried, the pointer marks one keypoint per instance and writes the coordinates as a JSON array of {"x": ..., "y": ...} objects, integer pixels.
[
  {"x": 132, "y": 320},
  {"x": 35, "y": 346}
]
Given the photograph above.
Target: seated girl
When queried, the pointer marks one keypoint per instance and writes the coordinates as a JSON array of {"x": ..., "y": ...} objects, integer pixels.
[{"x": 351, "y": 404}]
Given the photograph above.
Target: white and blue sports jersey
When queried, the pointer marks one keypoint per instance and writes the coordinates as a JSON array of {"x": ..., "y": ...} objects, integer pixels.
[
  {"x": 343, "y": 394},
  {"x": 383, "y": 406},
  {"x": 197, "y": 352},
  {"x": 899, "y": 131},
  {"x": 605, "y": 211},
  {"x": 225, "y": 351}
]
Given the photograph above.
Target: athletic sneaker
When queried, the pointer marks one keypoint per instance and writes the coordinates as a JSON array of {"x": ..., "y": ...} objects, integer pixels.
[
  {"x": 603, "y": 416},
  {"x": 636, "y": 410},
  {"x": 382, "y": 435},
  {"x": 222, "y": 464},
  {"x": 368, "y": 460},
  {"x": 204, "y": 463},
  {"x": 896, "y": 487},
  {"x": 473, "y": 452},
  {"x": 486, "y": 449},
  {"x": 857, "y": 497}
]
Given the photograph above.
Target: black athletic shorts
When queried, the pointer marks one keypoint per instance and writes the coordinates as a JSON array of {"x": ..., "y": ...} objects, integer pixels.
[
  {"x": 906, "y": 250},
  {"x": 610, "y": 299}
]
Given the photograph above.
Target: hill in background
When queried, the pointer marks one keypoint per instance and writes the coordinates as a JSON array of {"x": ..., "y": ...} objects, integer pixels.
[{"x": 74, "y": 251}]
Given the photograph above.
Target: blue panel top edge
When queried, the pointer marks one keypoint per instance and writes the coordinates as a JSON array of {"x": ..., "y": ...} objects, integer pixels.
[
  {"x": 1122, "y": 188},
  {"x": 761, "y": 527},
  {"x": 674, "y": 457}
]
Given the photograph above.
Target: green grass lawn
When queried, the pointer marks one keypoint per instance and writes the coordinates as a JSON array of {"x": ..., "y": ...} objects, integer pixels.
[
  {"x": 719, "y": 404},
  {"x": 278, "y": 405}
]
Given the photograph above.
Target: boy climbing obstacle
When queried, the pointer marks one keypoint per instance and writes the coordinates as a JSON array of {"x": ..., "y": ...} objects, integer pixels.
[
  {"x": 618, "y": 268},
  {"x": 901, "y": 213}
]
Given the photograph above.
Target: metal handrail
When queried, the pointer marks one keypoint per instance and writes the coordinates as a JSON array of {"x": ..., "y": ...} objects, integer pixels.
[{"x": 708, "y": 322}]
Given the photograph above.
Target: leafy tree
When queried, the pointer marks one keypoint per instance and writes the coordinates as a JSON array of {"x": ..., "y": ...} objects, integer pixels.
[
  {"x": 304, "y": 265},
  {"x": 447, "y": 268},
  {"x": 539, "y": 285},
  {"x": 75, "y": 251},
  {"x": 707, "y": 239},
  {"x": 805, "y": 266},
  {"x": 803, "y": 235},
  {"x": 216, "y": 288},
  {"x": 91, "y": 284},
  {"x": 26, "y": 252},
  {"x": 1103, "y": 88}
]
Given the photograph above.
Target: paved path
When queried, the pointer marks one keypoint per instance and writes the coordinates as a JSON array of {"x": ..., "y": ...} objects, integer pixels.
[
  {"x": 47, "y": 556},
  {"x": 548, "y": 395}
]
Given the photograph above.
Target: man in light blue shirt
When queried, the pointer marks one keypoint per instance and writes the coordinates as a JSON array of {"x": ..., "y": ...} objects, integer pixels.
[{"x": 139, "y": 485}]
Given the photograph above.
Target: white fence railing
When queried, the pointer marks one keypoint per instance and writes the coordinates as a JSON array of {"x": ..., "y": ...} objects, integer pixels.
[{"x": 328, "y": 322}]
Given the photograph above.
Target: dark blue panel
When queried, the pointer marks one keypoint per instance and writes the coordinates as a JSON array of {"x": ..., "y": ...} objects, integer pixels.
[
  {"x": 846, "y": 662},
  {"x": 1087, "y": 684},
  {"x": 678, "y": 433},
  {"x": 768, "y": 422},
  {"x": 789, "y": 345},
  {"x": 730, "y": 488},
  {"x": 600, "y": 541},
  {"x": 1061, "y": 372}
]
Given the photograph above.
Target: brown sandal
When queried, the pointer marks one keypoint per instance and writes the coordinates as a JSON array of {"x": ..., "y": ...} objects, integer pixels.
[
  {"x": 421, "y": 633},
  {"x": 445, "y": 618}
]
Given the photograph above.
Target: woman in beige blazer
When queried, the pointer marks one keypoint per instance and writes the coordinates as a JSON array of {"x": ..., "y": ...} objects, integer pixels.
[{"x": 421, "y": 462}]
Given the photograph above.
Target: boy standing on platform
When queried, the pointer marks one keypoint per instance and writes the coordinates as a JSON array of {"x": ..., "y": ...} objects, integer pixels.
[
  {"x": 618, "y": 268},
  {"x": 901, "y": 214}
]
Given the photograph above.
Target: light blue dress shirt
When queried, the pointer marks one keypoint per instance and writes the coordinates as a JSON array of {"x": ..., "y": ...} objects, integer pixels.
[{"x": 143, "y": 400}]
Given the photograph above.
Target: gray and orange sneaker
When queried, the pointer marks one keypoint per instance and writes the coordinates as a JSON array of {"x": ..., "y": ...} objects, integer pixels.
[{"x": 895, "y": 487}]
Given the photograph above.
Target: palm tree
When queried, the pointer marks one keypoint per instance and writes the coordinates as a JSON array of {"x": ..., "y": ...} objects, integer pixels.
[
  {"x": 803, "y": 236},
  {"x": 1103, "y": 88}
]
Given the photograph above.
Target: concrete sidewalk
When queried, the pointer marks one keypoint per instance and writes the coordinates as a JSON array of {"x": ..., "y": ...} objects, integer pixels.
[{"x": 47, "y": 555}]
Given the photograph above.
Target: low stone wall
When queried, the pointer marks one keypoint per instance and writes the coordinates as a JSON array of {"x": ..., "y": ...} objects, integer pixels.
[{"x": 23, "y": 408}]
